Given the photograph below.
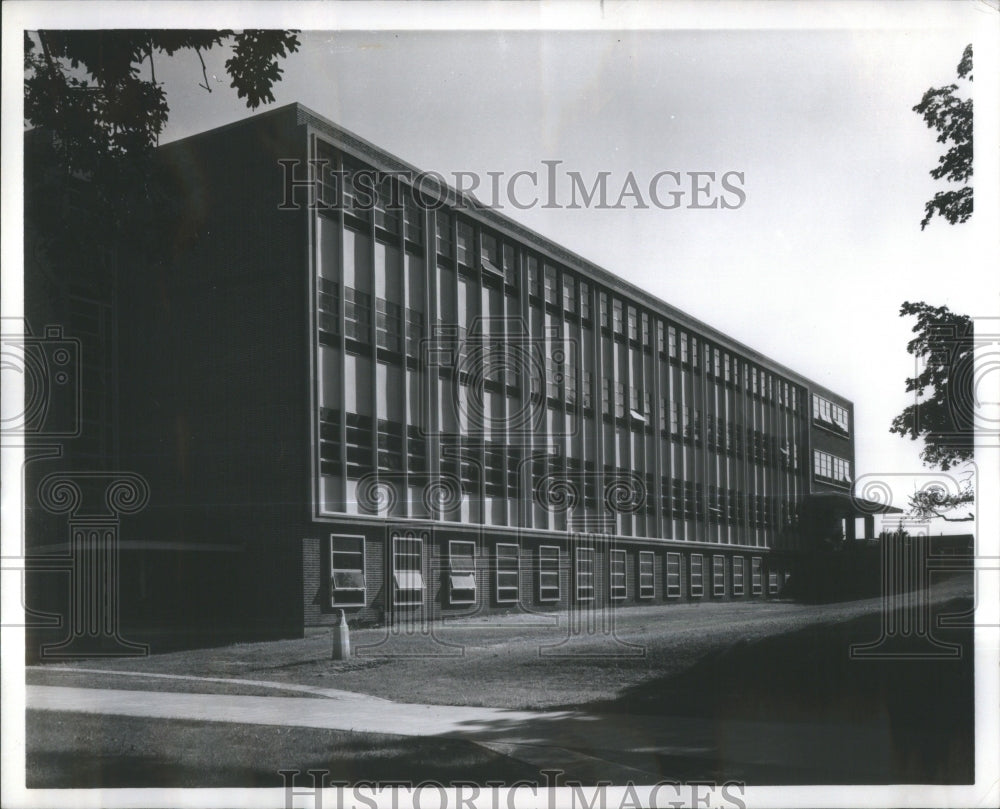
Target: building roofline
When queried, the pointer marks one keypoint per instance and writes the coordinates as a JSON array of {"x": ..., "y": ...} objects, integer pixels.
[{"x": 365, "y": 150}]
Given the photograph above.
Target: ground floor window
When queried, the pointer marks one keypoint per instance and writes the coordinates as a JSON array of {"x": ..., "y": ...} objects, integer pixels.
[
  {"x": 697, "y": 574},
  {"x": 772, "y": 582},
  {"x": 347, "y": 571},
  {"x": 508, "y": 574},
  {"x": 756, "y": 579},
  {"x": 407, "y": 575},
  {"x": 548, "y": 573},
  {"x": 718, "y": 575},
  {"x": 673, "y": 575},
  {"x": 646, "y": 577},
  {"x": 461, "y": 572},
  {"x": 738, "y": 562},
  {"x": 617, "y": 577},
  {"x": 584, "y": 574}
]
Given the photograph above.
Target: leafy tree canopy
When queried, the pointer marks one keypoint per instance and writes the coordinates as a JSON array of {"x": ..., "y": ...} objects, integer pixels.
[
  {"x": 951, "y": 115},
  {"x": 95, "y": 96},
  {"x": 97, "y": 92},
  {"x": 942, "y": 415}
]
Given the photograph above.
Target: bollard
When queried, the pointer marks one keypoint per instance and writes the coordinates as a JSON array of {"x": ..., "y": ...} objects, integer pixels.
[{"x": 341, "y": 639}]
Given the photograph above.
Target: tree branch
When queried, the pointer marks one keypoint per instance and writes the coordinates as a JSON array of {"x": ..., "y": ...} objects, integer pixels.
[{"x": 204, "y": 70}]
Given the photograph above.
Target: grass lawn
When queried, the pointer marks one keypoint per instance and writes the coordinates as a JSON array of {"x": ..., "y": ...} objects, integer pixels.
[
  {"x": 775, "y": 663},
  {"x": 91, "y": 751}
]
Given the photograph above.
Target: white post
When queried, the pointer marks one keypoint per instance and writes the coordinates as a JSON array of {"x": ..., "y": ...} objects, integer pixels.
[{"x": 341, "y": 639}]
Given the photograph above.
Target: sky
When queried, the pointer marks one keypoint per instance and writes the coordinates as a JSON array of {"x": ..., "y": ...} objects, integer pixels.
[{"x": 810, "y": 270}]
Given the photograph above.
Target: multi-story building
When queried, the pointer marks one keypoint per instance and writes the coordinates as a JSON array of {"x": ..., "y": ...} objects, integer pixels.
[{"x": 349, "y": 388}]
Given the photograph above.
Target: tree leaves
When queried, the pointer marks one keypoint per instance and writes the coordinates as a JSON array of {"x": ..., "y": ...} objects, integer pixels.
[
  {"x": 942, "y": 414},
  {"x": 97, "y": 91},
  {"x": 254, "y": 64},
  {"x": 951, "y": 116},
  {"x": 96, "y": 97}
]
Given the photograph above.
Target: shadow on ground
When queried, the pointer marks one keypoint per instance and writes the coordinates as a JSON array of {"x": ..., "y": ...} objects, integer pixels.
[{"x": 865, "y": 720}]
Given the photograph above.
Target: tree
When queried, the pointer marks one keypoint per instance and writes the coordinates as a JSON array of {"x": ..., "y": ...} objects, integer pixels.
[
  {"x": 95, "y": 96},
  {"x": 87, "y": 88},
  {"x": 942, "y": 414},
  {"x": 951, "y": 115}
]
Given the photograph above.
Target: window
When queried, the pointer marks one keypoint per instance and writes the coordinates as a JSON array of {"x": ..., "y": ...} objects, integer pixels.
[
  {"x": 633, "y": 324},
  {"x": 534, "y": 283},
  {"x": 413, "y": 220},
  {"x": 619, "y": 324},
  {"x": 619, "y": 400},
  {"x": 414, "y": 331},
  {"x": 646, "y": 575},
  {"x": 445, "y": 239},
  {"x": 569, "y": 294},
  {"x": 738, "y": 562},
  {"x": 718, "y": 575},
  {"x": 508, "y": 574},
  {"x": 490, "y": 251},
  {"x": 388, "y": 203},
  {"x": 359, "y": 445},
  {"x": 550, "y": 284},
  {"x": 673, "y": 575},
  {"x": 584, "y": 574},
  {"x": 832, "y": 416},
  {"x": 553, "y": 386},
  {"x": 328, "y": 307},
  {"x": 329, "y": 442},
  {"x": 672, "y": 342},
  {"x": 831, "y": 468},
  {"x": 697, "y": 575},
  {"x": 357, "y": 315},
  {"x": 388, "y": 325},
  {"x": 616, "y": 574},
  {"x": 772, "y": 582},
  {"x": 407, "y": 576},
  {"x": 390, "y": 445},
  {"x": 584, "y": 301},
  {"x": 464, "y": 253},
  {"x": 510, "y": 270},
  {"x": 461, "y": 572},
  {"x": 416, "y": 449},
  {"x": 495, "y": 463},
  {"x": 548, "y": 573},
  {"x": 358, "y": 187},
  {"x": 347, "y": 571},
  {"x": 756, "y": 582}
]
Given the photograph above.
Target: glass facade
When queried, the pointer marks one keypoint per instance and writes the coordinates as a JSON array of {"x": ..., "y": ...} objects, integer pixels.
[{"x": 454, "y": 357}]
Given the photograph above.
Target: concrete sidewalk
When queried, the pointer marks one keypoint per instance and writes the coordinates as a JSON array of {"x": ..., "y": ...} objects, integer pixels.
[{"x": 586, "y": 746}]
